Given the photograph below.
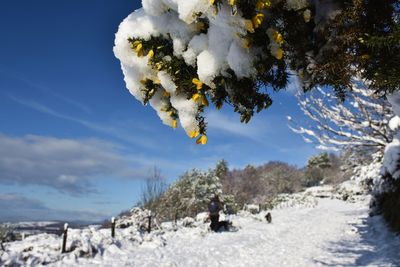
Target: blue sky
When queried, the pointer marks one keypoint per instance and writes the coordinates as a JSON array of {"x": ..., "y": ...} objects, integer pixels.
[{"x": 74, "y": 144}]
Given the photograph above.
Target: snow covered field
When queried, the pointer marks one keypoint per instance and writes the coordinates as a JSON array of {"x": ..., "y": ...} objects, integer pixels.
[{"x": 332, "y": 233}]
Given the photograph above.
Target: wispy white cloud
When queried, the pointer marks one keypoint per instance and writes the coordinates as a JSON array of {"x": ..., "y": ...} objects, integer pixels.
[
  {"x": 66, "y": 165},
  {"x": 117, "y": 133},
  {"x": 15, "y": 208},
  {"x": 254, "y": 130}
]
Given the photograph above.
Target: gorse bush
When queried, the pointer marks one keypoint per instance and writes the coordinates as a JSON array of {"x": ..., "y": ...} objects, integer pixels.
[{"x": 180, "y": 56}]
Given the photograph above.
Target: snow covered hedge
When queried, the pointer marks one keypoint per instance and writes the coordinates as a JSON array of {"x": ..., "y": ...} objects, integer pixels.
[
  {"x": 387, "y": 188},
  {"x": 179, "y": 54}
]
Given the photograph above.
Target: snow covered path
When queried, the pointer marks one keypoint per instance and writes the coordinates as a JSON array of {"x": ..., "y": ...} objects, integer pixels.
[
  {"x": 334, "y": 233},
  {"x": 331, "y": 234}
]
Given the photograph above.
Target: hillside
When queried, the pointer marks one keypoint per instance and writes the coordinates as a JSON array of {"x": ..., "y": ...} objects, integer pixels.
[{"x": 313, "y": 232}]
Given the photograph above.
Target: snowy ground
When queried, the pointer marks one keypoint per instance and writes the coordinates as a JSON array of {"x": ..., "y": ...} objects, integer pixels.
[{"x": 332, "y": 233}]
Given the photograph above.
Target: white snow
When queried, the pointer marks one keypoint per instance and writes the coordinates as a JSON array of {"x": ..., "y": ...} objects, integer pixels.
[
  {"x": 394, "y": 123},
  {"x": 392, "y": 158},
  {"x": 331, "y": 232}
]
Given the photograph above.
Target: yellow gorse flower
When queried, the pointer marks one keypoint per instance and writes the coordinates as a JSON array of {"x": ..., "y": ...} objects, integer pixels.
[
  {"x": 150, "y": 54},
  {"x": 278, "y": 38},
  {"x": 158, "y": 65},
  {"x": 195, "y": 97},
  {"x": 212, "y": 2},
  {"x": 365, "y": 57},
  {"x": 202, "y": 140},
  {"x": 193, "y": 134},
  {"x": 138, "y": 48},
  {"x": 198, "y": 83},
  {"x": 174, "y": 124},
  {"x": 279, "y": 53},
  {"x": 261, "y": 4},
  {"x": 201, "y": 99},
  {"x": 231, "y": 2},
  {"x": 135, "y": 44},
  {"x": 257, "y": 20}
]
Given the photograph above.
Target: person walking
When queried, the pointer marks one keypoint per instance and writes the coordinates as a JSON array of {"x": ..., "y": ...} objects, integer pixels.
[{"x": 214, "y": 207}]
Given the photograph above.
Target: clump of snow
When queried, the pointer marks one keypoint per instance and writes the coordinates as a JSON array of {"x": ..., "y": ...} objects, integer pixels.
[
  {"x": 392, "y": 158},
  {"x": 202, "y": 217},
  {"x": 240, "y": 62},
  {"x": 137, "y": 217},
  {"x": 394, "y": 123},
  {"x": 198, "y": 44}
]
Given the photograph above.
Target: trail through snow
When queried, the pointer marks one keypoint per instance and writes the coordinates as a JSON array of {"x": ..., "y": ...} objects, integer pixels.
[{"x": 333, "y": 233}]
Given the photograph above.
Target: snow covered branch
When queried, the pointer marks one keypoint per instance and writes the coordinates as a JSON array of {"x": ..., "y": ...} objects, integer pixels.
[{"x": 360, "y": 121}]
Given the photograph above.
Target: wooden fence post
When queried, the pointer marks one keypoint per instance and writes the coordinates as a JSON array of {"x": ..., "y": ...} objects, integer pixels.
[
  {"x": 64, "y": 244},
  {"x": 112, "y": 227},
  {"x": 149, "y": 227}
]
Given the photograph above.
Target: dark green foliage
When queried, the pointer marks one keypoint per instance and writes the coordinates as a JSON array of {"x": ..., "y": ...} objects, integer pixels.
[
  {"x": 365, "y": 36},
  {"x": 389, "y": 203}
]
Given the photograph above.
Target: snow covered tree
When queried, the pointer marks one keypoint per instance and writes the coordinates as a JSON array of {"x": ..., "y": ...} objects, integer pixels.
[
  {"x": 221, "y": 169},
  {"x": 316, "y": 169},
  {"x": 360, "y": 122},
  {"x": 190, "y": 194},
  {"x": 319, "y": 161},
  {"x": 180, "y": 55}
]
